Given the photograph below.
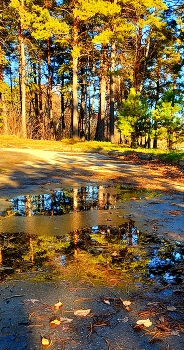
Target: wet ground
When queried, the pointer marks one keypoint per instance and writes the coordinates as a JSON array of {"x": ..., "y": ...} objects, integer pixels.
[{"x": 104, "y": 247}]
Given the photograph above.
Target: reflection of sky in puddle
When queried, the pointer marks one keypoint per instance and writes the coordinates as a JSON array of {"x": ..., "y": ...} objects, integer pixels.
[{"x": 62, "y": 201}]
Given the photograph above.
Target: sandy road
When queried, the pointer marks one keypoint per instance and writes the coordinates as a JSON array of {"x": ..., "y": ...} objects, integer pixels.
[{"x": 21, "y": 169}]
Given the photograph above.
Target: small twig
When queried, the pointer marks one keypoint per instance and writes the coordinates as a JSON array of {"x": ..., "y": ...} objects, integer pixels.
[
  {"x": 91, "y": 329},
  {"x": 108, "y": 344},
  {"x": 119, "y": 346},
  {"x": 14, "y": 296}
]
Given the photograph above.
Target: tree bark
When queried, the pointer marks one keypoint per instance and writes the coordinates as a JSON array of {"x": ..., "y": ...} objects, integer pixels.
[
  {"x": 75, "y": 129},
  {"x": 103, "y": 85},
  {"x": 22, "y": 78},
  {"x": 2, "y": 102},
  {"x": 50, "y": 113},
  {"x": 112, "y": 92}
]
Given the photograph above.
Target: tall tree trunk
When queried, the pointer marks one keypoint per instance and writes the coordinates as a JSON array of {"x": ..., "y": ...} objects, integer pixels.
[
  {"x": 50, "y": 113},
  {"x": 62, "y": 104},
  {"x": 155, "y": 140},
  {"x": 103, "y": 86},
  {"x": 39, "y": 85},
  {"x": 82, "y": 103},
  {"x": 22, "y": 78},
  {"x": 36, "y": 104},
  {"x": 137, "y": 65},
  {"x": 2, "y": 102},
  {"x": 75, "y": 128},
  {"x": 112, "y": 92}
]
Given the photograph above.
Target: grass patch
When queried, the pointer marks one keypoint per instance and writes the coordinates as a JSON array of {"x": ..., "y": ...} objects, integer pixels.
[
  {"x": 72, "y": 145},
  {"x": 172, "y": 156}
]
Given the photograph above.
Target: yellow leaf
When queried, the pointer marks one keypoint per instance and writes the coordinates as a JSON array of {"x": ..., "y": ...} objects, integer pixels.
[
  {"x": 45, "y": 341},
  {"x": 55, "y": 323},
  {"x": 145, "y": 323},
  {"x": 127, "y": 302},
  {"x": 58, "y": 305}
]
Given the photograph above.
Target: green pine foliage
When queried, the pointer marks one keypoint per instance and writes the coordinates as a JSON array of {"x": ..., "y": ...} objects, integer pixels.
[{"x": 89, "y": 64}]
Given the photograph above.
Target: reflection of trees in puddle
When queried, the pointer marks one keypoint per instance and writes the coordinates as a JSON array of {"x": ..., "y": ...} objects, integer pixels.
[
  {"x": 100, "y": 254},
  {"x": 60, "y": 202}
]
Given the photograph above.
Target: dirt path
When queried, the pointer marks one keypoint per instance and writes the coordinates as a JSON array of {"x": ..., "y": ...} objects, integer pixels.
[{"x": 21, "y": 168}]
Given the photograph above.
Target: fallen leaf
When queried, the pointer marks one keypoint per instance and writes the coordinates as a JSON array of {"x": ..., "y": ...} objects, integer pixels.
[
  {"x": 174, "y": 212},
  {"x": 171, "y": 308},
  {"x": 145, "y": 323},
  {"x": 58, "y": 305},
  {"x": 126, "y": 302},
  {"x": 127, "y": 308},
  {"x": 55, "y": 323},
  {"x": 82, "y": 313},
  {"x": 46, "y": 341}
]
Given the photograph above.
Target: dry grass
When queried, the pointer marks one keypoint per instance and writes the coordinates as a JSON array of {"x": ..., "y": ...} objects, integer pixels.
[
  {"x": 65, "y": 145},
  {"x": 71, "y": 145}
]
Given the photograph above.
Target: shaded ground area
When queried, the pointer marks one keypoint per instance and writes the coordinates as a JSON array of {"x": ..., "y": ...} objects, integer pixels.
[
  {"x": 27, "y": 310},
  {"x": 28, "y": 307},
  {"x": 22, "y": 167}
]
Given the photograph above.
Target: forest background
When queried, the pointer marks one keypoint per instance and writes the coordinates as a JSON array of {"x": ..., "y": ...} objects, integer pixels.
[{"x": 105, "y": 70}]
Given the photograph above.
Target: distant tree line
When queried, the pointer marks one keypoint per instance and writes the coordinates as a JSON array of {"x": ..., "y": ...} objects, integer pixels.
[{"x": 85, "y": 68}]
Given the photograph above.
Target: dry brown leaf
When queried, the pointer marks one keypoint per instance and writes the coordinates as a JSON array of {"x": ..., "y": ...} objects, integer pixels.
[
  {"x": 174, "y": 212},
  {"x": 82, "y": 312}
]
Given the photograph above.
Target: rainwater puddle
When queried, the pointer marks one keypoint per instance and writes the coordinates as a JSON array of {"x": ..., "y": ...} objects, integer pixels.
[
  {"x": 60, "y": 202},
  {"x": 110, "y": 250}
]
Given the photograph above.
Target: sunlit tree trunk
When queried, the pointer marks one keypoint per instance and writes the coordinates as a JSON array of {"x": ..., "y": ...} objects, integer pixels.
[
  {"x": 137, "y": 64},
  {"x": 50, "y": 113},
  {"x": 82, "y": 104},
  {"x": 75, "y": 79},
  {"x": 62, "y": 104},
  {"x": 103, "y": 86},
  {"x": 155, "y": 140},
  {"x": 22, "y": 78},
  {"x": 112, "y": 92},
  {"x": 2, "y": 102},
  {"x": 1, "y": 256},
  {"x": 36, "y": 105}
]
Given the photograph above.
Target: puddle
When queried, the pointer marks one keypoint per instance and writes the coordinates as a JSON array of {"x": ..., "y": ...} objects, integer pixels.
[
  {"x": 111, "y": 252},
  {"x": 60, "y": 202},
  {"x": 115, "y": 254}
]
